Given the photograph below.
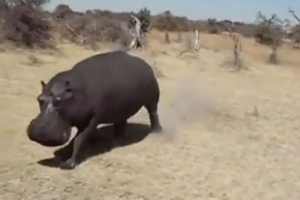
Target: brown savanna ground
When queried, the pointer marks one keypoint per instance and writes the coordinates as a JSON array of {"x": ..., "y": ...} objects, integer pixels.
[{"x": 229, "y": 135}]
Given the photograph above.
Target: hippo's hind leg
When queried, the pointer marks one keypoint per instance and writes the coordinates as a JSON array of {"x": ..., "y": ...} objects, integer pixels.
[
  {"x": 119, "y": 128},
  {"x": 154, "y": 118},
  {"x": 118, "y": 131}
]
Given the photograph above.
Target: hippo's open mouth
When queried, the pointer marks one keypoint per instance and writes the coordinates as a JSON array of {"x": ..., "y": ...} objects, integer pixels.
[
  {"x": 50, "y": 144},
  {"x": 48, "y": 138}
]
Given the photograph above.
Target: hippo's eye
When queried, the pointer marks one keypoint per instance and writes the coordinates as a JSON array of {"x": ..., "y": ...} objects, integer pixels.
[{"x": 57, "y": 101}]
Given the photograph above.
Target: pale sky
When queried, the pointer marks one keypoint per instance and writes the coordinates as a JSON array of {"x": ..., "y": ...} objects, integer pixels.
[{"x": 236, "y": 10}]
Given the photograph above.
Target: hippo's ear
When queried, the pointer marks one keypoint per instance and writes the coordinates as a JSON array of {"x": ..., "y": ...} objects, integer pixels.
[{"x": 43, "y": 84}]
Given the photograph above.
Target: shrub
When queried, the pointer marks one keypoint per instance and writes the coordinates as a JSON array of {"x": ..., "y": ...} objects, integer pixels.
[
  {"x": 88, "y": 29},
  {"x": 25, "y": 24},
  {"x": 168, "y": 22},
  {"x": 62, "y": 11}
]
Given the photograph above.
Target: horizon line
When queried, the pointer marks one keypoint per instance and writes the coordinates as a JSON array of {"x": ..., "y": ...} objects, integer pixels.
[{"x": 151, "y": 12}]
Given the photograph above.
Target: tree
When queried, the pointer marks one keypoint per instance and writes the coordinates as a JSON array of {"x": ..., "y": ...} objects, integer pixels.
[
  {"x": 166, "y": 22},
  {"x": 295, "y": 30},
  {"x": 35, "y": 3},
  {"x": 270, "y": 31},
  {"x": 144, "y": 15},
  {"x": 61, "y": 11}
]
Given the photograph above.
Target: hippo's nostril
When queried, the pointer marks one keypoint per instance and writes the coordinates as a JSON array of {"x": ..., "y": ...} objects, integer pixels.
[{"x": 42, "y": 126}]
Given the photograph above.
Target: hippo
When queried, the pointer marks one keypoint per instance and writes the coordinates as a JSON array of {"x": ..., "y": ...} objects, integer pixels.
[{"x": 106, "y": 88}]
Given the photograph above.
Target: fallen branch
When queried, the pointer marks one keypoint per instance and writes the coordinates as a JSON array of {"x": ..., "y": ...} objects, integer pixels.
[{"x": 69, "y": 28}]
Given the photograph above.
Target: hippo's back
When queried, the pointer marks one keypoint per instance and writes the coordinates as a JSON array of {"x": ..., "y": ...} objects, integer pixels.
[
  {"x": 117, "y": 83},
  {"x": 116, "y": 64}
]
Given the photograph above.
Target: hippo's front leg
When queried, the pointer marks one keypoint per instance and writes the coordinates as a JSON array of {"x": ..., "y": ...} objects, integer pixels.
[
  {"x": 65, "y": 152},
  {"x": 79, "y": 140}
]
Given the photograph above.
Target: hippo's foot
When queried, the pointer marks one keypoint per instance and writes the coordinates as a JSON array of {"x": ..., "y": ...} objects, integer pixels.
[
  {"x": 156, "y": 129},
  {"x": 69, "y": 164},
  {"x": 63, "y": 154}
]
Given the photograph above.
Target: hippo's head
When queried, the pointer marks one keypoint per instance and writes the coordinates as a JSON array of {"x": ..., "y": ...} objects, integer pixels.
[{"x": 50, "y": 128}]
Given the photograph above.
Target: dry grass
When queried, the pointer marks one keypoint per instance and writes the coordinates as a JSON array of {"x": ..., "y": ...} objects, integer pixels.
[
  {"x": 253, "y": 50},
  {"x": 233, "y": 135}
]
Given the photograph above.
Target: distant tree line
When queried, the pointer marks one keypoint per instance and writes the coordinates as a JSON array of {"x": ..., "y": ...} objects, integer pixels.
[{"x": 24, "y": 22}]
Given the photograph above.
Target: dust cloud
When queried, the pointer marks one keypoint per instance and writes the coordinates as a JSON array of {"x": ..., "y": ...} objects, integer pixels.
[{"x": 190, "y": 102}]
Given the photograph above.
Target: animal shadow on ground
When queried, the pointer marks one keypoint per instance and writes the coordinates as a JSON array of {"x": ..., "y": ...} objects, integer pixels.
[{"x": 101, "y": 142}]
